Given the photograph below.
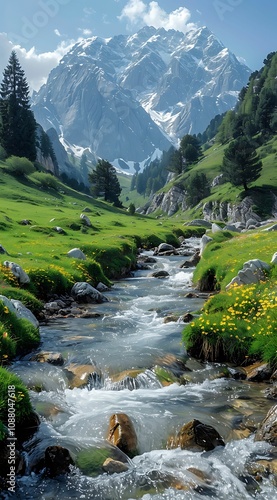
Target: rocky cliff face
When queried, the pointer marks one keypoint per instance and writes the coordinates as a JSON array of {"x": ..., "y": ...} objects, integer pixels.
[
  {"x": 128, "y": 98},
  {"x": 175, "y": 199}
]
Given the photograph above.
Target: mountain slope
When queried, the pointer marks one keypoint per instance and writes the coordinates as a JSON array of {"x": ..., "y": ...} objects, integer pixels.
[{"x": 127, "y": 97}]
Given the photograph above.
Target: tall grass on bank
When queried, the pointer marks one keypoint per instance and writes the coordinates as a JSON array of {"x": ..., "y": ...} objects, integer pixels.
[{"x": 237, "y": 326}]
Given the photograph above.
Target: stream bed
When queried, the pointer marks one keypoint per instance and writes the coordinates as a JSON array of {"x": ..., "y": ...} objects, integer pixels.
[{"x": 131, "y": 334}]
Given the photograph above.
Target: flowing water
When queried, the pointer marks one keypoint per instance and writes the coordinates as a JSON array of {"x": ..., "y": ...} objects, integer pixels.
[{"x": 131, "y": 334}]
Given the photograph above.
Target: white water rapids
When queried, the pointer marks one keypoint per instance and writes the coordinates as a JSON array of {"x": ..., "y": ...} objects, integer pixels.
[{"x": 131, "y": 334}]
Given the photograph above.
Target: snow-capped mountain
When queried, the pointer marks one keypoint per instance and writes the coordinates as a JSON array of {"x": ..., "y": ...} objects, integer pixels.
[{"x": 129, "y": 97}]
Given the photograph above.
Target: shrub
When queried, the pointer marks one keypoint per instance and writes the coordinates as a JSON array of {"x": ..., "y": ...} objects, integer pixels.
[
  {"x": 19, "y": 167},
  {"x": 22, "y": 401},
  {"x": 46, "y": 180},
  {"x": 46, "y": 282},
  {"x": 90, "y": 271}
]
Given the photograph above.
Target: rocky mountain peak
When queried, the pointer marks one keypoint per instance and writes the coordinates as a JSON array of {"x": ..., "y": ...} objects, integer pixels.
[{"x": 130, "y": 97}]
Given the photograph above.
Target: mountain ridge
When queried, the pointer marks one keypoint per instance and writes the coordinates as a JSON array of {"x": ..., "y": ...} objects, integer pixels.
[{"x": 131, "y": 97}]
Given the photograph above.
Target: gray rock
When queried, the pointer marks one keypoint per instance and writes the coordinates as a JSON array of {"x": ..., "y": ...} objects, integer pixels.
[
  {"x": 192, "y": 262},
  {"x": 25, "y": 222},
  {"x": 216, "y": 228},
  {"x": 159, "y": 274},
  {"x": 87, "y": 209},
  {"x": 23, "y": 312},
  {"x": 252, "y": 222},
  {"x": 204, "y": 241},
  {"x": 164, "y": 247},
  {"x": 217, "y": 181},
  {"x": 86, "y": 220},
  {"x": 271, "y": 228},
  {"x": 102, "y": 288},
  {"x": 232, "y": 227},
  {"x": 199, "y": 222},
  {"x": 59, "y": 230},
  {"x": 84, "y": 292},
  {"x": 76, "y": 253},
  {"x": 18, "y": 272},
  {"x": 2, "y": 250},
  {"x": 253, "y": 271},
  {"x": 274, "y": 258},
  {"x": 268, "y": 429}
]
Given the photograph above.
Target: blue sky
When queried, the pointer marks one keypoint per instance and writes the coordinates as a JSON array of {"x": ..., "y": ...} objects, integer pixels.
[{"x": 45, "y": 29}]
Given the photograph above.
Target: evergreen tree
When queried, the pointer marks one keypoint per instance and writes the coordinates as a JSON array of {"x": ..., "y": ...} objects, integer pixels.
[
  {"x": 105, "y": 183},
  {"x": 176, "y": 163},
  {"x": 241, "y": 163},
  {"x": 190, "y": 149},
  {"x": 197, "y": 188},
  {"x": 18, "y": 125}
]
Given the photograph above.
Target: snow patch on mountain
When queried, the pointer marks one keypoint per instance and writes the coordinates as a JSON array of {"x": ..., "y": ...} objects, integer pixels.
[{"x": 128, "y": 97}]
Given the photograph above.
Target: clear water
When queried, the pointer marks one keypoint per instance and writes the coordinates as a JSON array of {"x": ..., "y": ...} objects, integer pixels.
[{"x": 131, "y": 334}]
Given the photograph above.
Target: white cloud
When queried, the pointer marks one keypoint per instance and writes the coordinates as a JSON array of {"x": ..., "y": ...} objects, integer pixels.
[
  {"x": 138, "y": 14},
  {"x": 85, "y": 31},
  {"x": 56, "y": 31},
  {"x": 36, "y": 66}
]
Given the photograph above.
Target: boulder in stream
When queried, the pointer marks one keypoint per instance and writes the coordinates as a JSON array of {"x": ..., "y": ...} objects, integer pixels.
[
  {"x": 268, "y": 429},
  {"x": 159, "y": 274},
  {"x": 85, "y": 293},
  {"x": 122, "y": 434},
  {"x": 81, "y": 375},
  {"x": 196, "y": 436},
  {"x": 57, "y": 460},
  {"x": 54, "y": 358},
  {"x": 112, "y": 466}
]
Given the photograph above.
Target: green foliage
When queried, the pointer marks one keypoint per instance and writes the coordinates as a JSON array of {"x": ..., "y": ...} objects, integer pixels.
[
  {"x": 90, "y": 270},
  {"x": 226, "y": 254},
  {"x": 241, "y": 164},
  {"x": 3, "y": 153},
  {"x": 123, "y": 258},
  {"x": 19, "y": 167},
  {"x": 22, "y": 401},
  {"x": 16, "y": 335},
  {"x": 28, "y": 299},
  {"x": 46, "y": 180},
  {"x": 155, "y": 174},
  {"x": 45, "y": 282},
  {"x": 237, "y": 325},
  {"x": 18, "y": 126},
  {"x": 198, "y": 187},
  {"x": 190, "y": 149},
  {"x": 3, "y": 430},
  {"x": 105, "y": 183},
  {"x": 132, "y": 209},
  {"x": 211, "y": 130}
]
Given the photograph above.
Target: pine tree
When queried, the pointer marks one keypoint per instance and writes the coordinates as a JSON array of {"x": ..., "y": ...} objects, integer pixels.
[
  {"x": 241, "y": 163},
  {"x": 105, "y": 182},
  {"x": 190, "y": 149},
  {"x": 18, "y": 125},
  {"x": 197, "y": 188}
]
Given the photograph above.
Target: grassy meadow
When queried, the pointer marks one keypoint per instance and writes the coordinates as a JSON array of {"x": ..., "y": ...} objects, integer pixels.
[{"x": 238, "y": 326}]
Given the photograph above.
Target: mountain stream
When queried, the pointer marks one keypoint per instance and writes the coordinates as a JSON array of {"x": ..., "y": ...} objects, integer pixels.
[{"x": 131, "y": 334}]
